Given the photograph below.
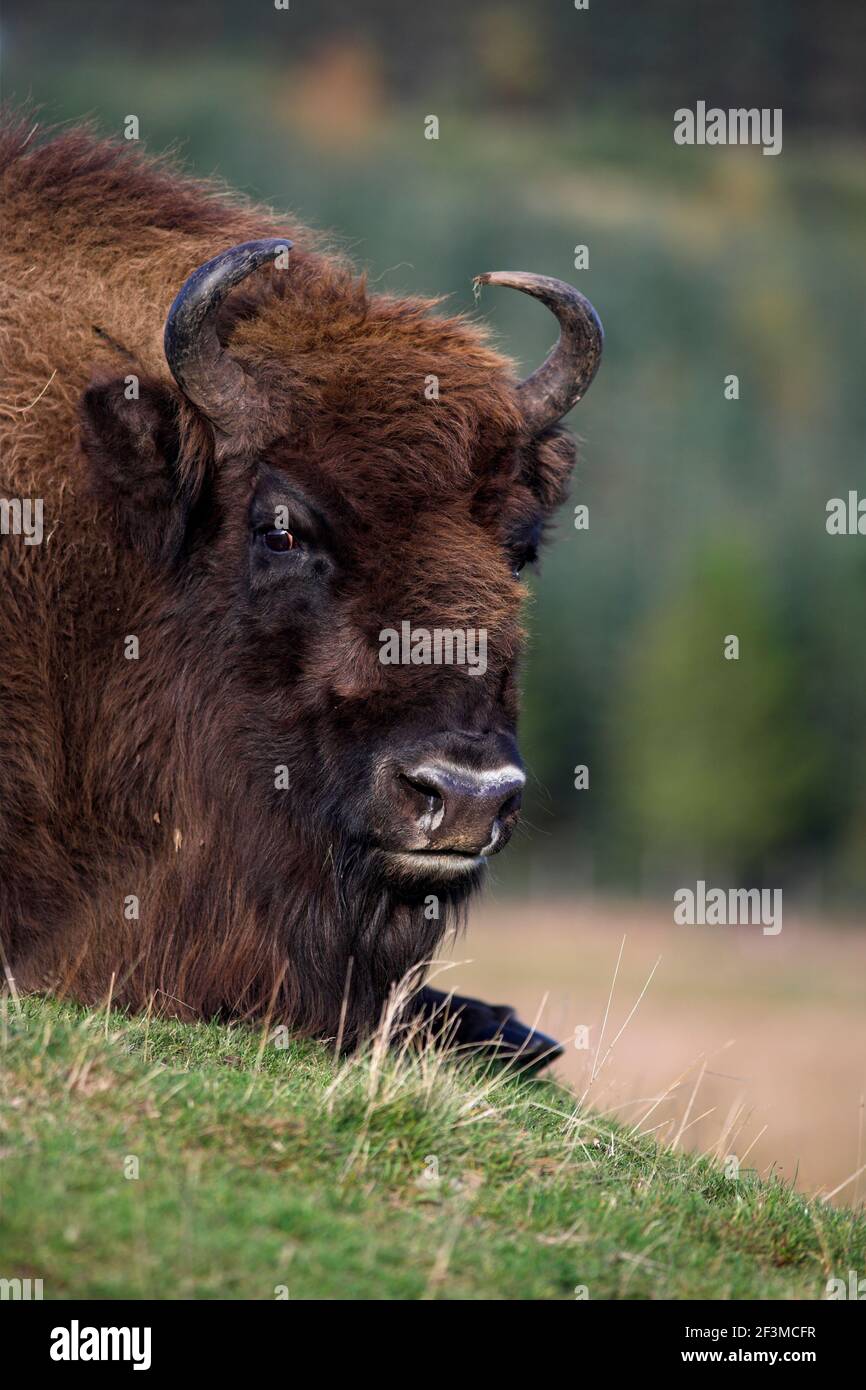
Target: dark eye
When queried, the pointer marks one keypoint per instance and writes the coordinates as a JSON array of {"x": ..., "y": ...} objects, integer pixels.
[{"x": 278, "y": 539}]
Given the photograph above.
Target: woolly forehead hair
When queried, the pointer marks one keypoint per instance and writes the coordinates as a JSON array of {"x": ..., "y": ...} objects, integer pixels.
[{"x": 337, "y": 364}]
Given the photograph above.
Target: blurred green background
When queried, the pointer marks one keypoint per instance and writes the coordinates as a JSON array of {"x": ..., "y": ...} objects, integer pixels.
[{"x": 707, "y": 515}]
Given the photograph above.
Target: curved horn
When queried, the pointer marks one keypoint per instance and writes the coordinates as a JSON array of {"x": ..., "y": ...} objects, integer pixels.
[
  {"x": 206, "y": 373},
  {"x": 566, "y": 374}
]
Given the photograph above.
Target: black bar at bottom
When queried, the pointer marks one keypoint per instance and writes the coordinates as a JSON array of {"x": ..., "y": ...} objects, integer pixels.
[{"x": 225, "y": 1339}]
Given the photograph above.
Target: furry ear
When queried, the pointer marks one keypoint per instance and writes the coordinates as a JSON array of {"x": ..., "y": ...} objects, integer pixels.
[
  {"x": 549, "y": 468},
  {"x": 131, "y": 436}
]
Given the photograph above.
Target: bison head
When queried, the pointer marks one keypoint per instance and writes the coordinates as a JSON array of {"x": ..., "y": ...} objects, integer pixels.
[{"x": 330, "y": 508}]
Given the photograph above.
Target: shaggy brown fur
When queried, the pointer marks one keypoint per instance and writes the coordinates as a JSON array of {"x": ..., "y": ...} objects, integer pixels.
[{"x": 154, "y": 777}]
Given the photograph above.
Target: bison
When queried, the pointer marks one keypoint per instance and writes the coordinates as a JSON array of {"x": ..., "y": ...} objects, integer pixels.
[{"x": 218, "y": 796}]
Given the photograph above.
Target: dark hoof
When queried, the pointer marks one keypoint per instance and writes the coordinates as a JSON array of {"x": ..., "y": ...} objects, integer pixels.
[
  {"x": 489, "y": 1030},
  {"x": 512, "y": 1042}
]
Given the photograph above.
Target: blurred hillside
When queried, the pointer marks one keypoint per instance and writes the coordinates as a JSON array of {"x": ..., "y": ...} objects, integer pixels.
[{"x": 707, "y": 515}]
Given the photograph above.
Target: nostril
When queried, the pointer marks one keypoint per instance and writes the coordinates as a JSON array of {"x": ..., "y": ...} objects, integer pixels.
[
  {"x": 509, "y": 806},
  {"x": 424, "y": 789}
]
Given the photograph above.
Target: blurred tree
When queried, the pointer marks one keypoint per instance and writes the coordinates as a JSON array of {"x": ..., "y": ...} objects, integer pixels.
[{"x": 716, "y": 758}]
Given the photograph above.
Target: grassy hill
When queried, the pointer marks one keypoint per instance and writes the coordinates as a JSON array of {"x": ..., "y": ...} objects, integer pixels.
[{"x": 269, "y": 1171}]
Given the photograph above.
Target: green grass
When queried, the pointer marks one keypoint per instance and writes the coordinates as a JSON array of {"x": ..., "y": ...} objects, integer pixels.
[{"x": 261, "y": 1166}]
